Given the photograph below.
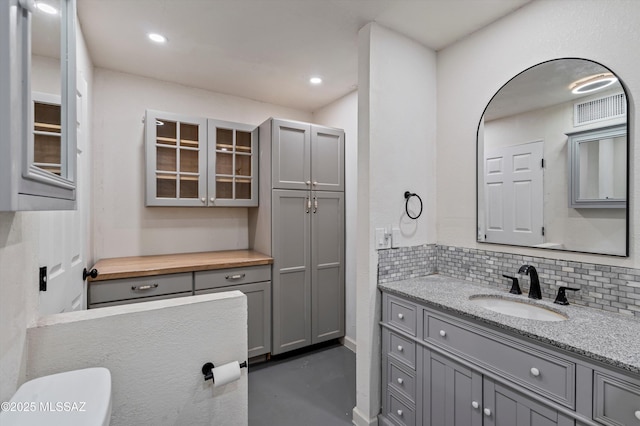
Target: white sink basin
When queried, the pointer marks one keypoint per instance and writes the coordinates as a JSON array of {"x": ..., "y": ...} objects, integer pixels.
[{"x": 517, "y": 309}]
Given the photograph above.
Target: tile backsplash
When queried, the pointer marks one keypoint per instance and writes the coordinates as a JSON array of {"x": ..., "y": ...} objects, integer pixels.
[{"x": 609, "y": 288}]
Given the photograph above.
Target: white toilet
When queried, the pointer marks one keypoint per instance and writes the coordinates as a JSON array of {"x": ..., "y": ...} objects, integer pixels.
[{"x": 73, "y": 398}]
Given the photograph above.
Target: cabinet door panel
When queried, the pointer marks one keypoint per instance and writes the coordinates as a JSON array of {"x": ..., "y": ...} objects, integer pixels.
[
  {"x": 327, "y": 159},
  {"x": 291, "y": 270},
  {"x": 291, "y": 155},
  {"x": 327, "y": 270},
  {"x": 449, "y": 390}
]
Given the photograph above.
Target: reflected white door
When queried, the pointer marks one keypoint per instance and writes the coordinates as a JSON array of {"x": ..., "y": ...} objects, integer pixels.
[
  {"x": 514, "y": 194},
  {"x": 64, "y": 234}
]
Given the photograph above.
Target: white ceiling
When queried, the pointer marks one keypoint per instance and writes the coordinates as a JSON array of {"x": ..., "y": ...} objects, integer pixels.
[{"x": 267, "y": 49}]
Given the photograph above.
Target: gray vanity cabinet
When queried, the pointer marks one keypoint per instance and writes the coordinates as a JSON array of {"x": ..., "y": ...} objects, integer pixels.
[
  {"x": 307, "y": 156},
  {"x": 441, "y": 370}
]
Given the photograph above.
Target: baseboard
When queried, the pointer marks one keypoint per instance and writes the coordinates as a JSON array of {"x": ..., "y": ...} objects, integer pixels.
[
  {"x": 349, "y": 343},
  {"x": 360, "y": 420}
]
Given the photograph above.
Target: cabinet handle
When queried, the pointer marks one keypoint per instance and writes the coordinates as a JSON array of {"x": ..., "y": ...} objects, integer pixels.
[
  {"x": 308, "y": 204},
  {"x": 487, "y": 412},
  {"x": 315, "y": 204},
  {"x": 443, "y": 333},
  {"x": 535, "y": 372},
  {"x": 235, "y": 277},
  {"x": 475, "y": 404},
  {"x": 637, "y": 413},
  {"x": 400, "y": 316},
  {"x": 399, "y": 413},
  {"x": 400, "y": 381},
  {"x": 400, "y": 348},
  {"x": 143, "y": 287}
]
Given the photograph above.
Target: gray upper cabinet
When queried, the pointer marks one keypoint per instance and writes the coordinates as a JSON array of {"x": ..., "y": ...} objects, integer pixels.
[
  {"x": 38, "y": 147},
  {"x": 195, "y": 162},
  {"x": 307, "y": 156}
]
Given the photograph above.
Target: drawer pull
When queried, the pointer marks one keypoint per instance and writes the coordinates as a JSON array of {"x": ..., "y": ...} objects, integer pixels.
[
  {"x": 400, "y": 316},
  {"x": 443, "y": 333},
  {"x": 475, "y": 404},
  {"x": 535, "y": 372},
  {"x": 400, "y": 381},
  {"x": 235, "y": 277},
  {"x": 637, "y": 413},
  {"x": 143, "y": 287},
  {"x": 400, "y": 348},
  {"x": 399, "y": 413},
  {"x": 487, "y": 412}
]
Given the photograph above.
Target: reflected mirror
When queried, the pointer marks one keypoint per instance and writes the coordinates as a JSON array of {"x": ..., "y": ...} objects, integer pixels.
[
  {"x": 49, "y": 157},
  {"x": 552, "y": 150}
]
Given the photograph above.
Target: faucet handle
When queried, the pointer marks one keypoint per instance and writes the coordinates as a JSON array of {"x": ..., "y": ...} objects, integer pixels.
[
  {"x": 515, "y": 287},
  {"x": 561, "y": 298}
]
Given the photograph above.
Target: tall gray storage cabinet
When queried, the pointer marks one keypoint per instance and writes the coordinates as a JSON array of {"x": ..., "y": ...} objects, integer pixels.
[{"x": 300, "y": 223}]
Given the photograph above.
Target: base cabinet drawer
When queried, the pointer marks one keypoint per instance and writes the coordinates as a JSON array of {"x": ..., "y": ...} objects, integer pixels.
[
  {"x": 232, "y": 276},
  {"x": 135, "y": 288},
  {"x": 139, "y": 300},
  {"x": 258, "y": 314},
  {"x": 615, "y": 402},
  {"x": 400, "y": 412}
]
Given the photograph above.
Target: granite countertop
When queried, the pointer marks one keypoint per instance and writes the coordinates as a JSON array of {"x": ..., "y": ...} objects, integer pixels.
[{"x": 607, "y": 337}]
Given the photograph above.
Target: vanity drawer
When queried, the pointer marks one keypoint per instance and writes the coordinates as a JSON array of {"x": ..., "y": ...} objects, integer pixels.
[
  {"x": 615, "y": 402},
  {"x": 400, "y": 412},
  {"x": 402, "y": 349},
  {"x": 232, "y": 276},
  {"x": 135, "y": 288},
  {"x": 401, "y": 314},
  {"x": 542, "y": 372},
  {"x": 401, "y": 381}
]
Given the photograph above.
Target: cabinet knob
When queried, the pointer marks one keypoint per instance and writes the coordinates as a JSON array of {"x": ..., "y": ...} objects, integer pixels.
[
  {"x": 308, "y": 182},
  {"x": 487, "y": 412},
  {"x": 637, "y": 413},
  {"x": 212, "y": 199},
  {"x": 400, "y": 348},
  {"x": 400, "y": 381},
  {"x": 399, "y": 413},
  {"x": 315, "y": 182},
  {"x": 400, "y": 316},
  {"x": 443, "y": 333},
  {"x": 535, "y": 372},
  {"x": 475, "y": 404},
  {"x": 204, "y": 200}
]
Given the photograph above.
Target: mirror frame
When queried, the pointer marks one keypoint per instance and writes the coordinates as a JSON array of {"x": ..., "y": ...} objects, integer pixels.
[{"x": 628, "y": 140}]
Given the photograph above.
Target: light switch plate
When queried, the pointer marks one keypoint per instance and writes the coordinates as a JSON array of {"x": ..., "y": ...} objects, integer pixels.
[
  {"x": 382, "y": 239},
  {"x": 395, "y": 237}
]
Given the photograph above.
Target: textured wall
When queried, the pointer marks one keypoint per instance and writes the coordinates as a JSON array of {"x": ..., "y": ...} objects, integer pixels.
[{"x": 155, "y": 352}]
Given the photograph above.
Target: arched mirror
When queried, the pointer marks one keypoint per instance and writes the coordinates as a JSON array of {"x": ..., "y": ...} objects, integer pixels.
[{"x": 553, "y": 156}]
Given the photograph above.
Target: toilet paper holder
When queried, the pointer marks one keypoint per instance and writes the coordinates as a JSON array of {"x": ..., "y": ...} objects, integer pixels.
[{"x": 207, "y": 370}]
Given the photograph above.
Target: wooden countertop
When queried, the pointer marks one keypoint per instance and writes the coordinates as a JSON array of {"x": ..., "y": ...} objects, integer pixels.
[{"x": 145, "y": 266}]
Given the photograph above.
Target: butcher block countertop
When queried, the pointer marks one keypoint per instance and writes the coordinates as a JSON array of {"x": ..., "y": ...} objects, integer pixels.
[{"x": 145, "y": 266}]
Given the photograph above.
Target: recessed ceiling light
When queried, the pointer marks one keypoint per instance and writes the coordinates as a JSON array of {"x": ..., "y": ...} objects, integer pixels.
[
  {"x": 158, "y": 38},
  {"x": 46, "y": 8},
  {"x": 315, "y": 80},
  {"x": 592, "y": 83}
]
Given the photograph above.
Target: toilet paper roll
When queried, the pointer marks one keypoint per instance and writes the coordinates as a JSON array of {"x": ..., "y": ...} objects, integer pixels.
[{"x": 226, "y": 373}]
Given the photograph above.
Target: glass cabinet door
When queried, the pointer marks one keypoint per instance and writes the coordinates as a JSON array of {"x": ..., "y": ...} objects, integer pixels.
[
  {"x": 176, "y": 160},
  {"x": 233, "y": 171}
]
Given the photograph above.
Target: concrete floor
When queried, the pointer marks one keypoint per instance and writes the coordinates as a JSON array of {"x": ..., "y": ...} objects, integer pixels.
[{"x": 313, "y": 388}]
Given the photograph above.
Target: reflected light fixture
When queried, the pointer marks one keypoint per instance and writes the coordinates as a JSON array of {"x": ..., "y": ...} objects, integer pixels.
[
  {"x": 592, "y": 83},
  {"x": 46, "y": 8},
  {"x": 158, "y": 38},
  {"x": 315, "y": 80}
]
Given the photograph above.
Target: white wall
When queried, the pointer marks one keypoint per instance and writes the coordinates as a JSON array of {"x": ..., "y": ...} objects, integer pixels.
[
  {"x": 343, "y": 114},
  {"x": 155, "y": 352},
  {"x": 19, "y": 263},
  {"x": 472, "y": 70},
  {"x": 123, "y": 226},
  {"x": 396, "y": 153}
]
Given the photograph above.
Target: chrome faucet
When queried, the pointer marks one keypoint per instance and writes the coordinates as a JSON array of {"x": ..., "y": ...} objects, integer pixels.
[{"x": 534, "y": 288}]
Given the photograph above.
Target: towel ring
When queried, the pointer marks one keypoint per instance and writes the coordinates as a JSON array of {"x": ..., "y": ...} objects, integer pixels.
[{"x": 407, "y": 196}]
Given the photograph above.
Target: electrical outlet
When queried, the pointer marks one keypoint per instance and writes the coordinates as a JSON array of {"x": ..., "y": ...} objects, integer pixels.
[
  {"x": 382, "y": 239},
  {"x": 42, "y": 283},
  {"x": 395, "y": 237}
]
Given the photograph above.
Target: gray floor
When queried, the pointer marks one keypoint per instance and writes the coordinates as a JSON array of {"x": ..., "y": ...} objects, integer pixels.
[{"x": 316, "y": 388}]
